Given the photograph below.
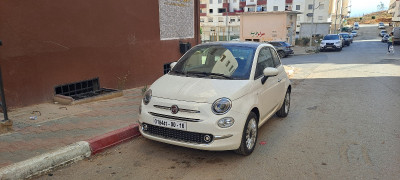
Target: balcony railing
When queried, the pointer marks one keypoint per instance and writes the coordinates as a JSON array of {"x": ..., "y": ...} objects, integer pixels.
[
  {"x": 261, "y": 2},
  {"x": 203, "y": 5},
  {"x": 289, "y": 1},
  {"x": 203, "y": 14}
]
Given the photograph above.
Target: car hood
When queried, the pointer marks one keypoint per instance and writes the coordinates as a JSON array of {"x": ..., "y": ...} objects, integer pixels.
[
  {"x": 330, "y": 41},
  {"x": 201, "y": 90}
]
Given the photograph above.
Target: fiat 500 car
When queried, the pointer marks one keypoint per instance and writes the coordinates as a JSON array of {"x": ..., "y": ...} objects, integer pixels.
[{"x": 216, "y": 96}]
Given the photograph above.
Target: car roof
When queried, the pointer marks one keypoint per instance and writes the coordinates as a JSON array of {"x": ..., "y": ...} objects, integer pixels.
[{"x": 249, "y": 44}]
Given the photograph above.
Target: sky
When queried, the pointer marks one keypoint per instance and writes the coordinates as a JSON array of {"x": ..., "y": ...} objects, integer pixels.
[{"x": 358, "y": 7}]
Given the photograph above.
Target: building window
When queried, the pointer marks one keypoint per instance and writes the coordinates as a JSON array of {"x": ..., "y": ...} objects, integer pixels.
[
  {"x": 220, "y": 19},
  {"x": 251, "y": 9},
  {"x": 297, "y": 7},
  {"x": 221, "y": 10},
  {"x": 251, "y": 0},
  {"x": 238, "y": 19},
  {"x": 219, "y": 1},
  {"x": 321, "y": 6},
  {"x": 275, "y": 8},
  {"x": 211, "y": 1},
  {"x": 242, "y": 0},
  {"x": 210, "y": 19},
  {"x": 233, "y": 20},
  {"x": 211, "y": 11},
  {"x": 201, "y": 19},
  {"x": 310, "y": 6},
  {"x": 234, "y": 1},
  {"x": 320, "y": 18}
]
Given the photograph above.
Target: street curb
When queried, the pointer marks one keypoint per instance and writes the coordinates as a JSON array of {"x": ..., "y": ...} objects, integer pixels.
[
  {"x": 46, "y": 161},
  {"x": 68, "y": 154},
  {"x": 112, "y": 138}
]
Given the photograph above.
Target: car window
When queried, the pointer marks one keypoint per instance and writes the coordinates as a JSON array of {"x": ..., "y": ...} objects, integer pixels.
[
  {"x": 232, "y": 62},
  {"x": 275, "y": 44},
  {"x": 264, "y": 60},
  {"x": 331, "y": 37},
  {"x": 275, "y": 57}
]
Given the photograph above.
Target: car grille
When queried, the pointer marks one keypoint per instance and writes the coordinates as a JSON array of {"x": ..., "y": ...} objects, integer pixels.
[
  {"x": 330, "y": 44},
  {"x": 178, "y": 135}
]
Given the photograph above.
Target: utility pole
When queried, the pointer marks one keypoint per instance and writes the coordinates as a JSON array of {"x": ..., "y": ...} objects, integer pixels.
[
  {"x": 312, "y": 22},
  {"x": 336, "y": 17},
  {"x": 227, "y": 27}
]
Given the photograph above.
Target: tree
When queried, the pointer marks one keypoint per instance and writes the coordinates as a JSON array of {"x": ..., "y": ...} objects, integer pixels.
[{"x": 381, "y": 6}]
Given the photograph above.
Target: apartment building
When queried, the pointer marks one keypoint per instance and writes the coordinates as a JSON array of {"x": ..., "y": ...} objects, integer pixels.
[
  {"x": 220, "y": 19},
  {"x": 338, "y": 10},
  {"x": 394, "y": 9},
  {"x": 306, "y": 7}
]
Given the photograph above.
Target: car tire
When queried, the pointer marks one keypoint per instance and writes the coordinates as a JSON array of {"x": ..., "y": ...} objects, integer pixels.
[
  {"x": 249, "y": 135},
  {"x": 284, "y": 110},
  {"x": 340, "y": 49},
  {"x": 281, "y": 54},
  {"x": 321, "y": 50}
]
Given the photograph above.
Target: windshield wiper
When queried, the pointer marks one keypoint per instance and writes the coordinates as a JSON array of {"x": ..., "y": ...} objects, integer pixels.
[
  {"x": 178, "y": 72},
  {"x": 209, "y": 74}
]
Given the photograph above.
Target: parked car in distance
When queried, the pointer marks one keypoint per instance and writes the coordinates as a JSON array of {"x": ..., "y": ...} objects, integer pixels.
[
  {"x": 216, "y": 97},
  {"x": 385, "y": 38},
  {"x": 354, "y": 33},
  {"x": 381, "y": 25},
  {"x": 382, "y": 33},
  {"x": 331, "y": 41},
  {"x": 283, "y": 48},
  {"x": 346, "y": 38},
  {"x": 351, "y": 37},
  {"x": 356, "y": 26}
]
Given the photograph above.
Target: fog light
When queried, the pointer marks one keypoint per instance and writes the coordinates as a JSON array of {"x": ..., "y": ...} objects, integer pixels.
[
  {"x": 226, "y": 122},
  {"x": 207, "y": 138},
  {"x": 144, "y": 127}
]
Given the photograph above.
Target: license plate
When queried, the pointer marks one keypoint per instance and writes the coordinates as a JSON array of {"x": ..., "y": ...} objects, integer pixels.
[{"x": 170, "y": 124}]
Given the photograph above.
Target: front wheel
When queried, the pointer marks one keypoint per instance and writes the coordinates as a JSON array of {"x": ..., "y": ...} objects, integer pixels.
[
  {"x": 284, "y": 110},
  {"x": 249, "y": 136}
]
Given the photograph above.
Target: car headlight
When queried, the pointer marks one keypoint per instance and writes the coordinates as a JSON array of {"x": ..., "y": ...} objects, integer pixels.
[
  {"x": 338, "y": 42},
  {"x": 147, "y": 97},
  {"x": 226, "y": 122},
  {"x": 221, "y": 106}
]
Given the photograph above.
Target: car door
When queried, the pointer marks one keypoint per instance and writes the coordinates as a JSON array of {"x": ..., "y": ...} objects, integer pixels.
[
  {"x": 282, "y": 77},
  {"x": 267, "y": 92}
]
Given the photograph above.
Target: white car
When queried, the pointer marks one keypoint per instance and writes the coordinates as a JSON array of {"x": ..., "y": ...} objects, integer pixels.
[
  {"x": 381, "y": 25},
  {"x": 354, "y": 33},
  {"x": 216, "y": 96},
  {"x": 331, "y": 41}
]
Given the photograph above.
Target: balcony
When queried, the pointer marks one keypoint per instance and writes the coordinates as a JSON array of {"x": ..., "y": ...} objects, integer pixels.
[
  {"x": 242, "y": 4},
  {"x": 231, "y": 13},
  {"x": 203, "y": 5},
  {"x": 203, "y": 14},
  {"x": 225, "y": 5},
  {"x": 249, "y": 3},
  {"x": 261, "y": 2},
  {"x": 289, "y": 1}
]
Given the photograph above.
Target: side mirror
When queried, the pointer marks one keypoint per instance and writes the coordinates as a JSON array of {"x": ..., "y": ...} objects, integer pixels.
[
  {"x": 172, "y": 65},
  {"x": 268, "y": 72}
]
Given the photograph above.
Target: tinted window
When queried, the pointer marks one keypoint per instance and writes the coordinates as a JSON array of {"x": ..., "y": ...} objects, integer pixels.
[
  {"x": 264, "y": 60},
  {"x": 275, "y": 44},
  {"x": 331, "y": 37}
]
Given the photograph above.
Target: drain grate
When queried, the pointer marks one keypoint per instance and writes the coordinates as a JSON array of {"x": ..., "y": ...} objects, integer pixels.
[{"x": 82, "y": 89}]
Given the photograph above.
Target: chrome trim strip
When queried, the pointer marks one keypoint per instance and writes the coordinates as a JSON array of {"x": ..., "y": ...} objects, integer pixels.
[
  {"x": 180, "y": 109},
  {"x": 175, "y": 117},
  {"x": 223, "y": 137}
]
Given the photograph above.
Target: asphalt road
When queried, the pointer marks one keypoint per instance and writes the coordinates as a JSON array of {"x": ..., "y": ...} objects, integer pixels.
[{"x": 344, "y": 123}]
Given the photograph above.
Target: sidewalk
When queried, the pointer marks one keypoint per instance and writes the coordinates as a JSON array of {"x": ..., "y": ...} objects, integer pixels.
[
  {"x": 300, "y": 50},
  {"x": 58, "y": 125}
]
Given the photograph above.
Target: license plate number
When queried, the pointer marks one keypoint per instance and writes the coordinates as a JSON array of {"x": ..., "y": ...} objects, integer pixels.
[{"x": 170, "y": 124}]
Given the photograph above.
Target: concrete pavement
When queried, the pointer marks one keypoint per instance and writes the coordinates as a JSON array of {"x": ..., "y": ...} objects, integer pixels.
[{"x": 44, "y": 128}]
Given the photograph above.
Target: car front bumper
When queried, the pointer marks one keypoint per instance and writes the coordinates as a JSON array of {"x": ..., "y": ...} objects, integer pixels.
[
  {"x": 330, "y": 46},
  {"x": 194, "y": 136}
]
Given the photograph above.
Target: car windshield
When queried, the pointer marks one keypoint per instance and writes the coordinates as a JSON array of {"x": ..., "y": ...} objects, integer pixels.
[
  {"x": 344, "y": 35},
  {"x": 383, "y": 31},
  {"x": 354, "y": 31},
  {"x": 216, "y": 61},
  {"x": 331, "y": 37}
]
